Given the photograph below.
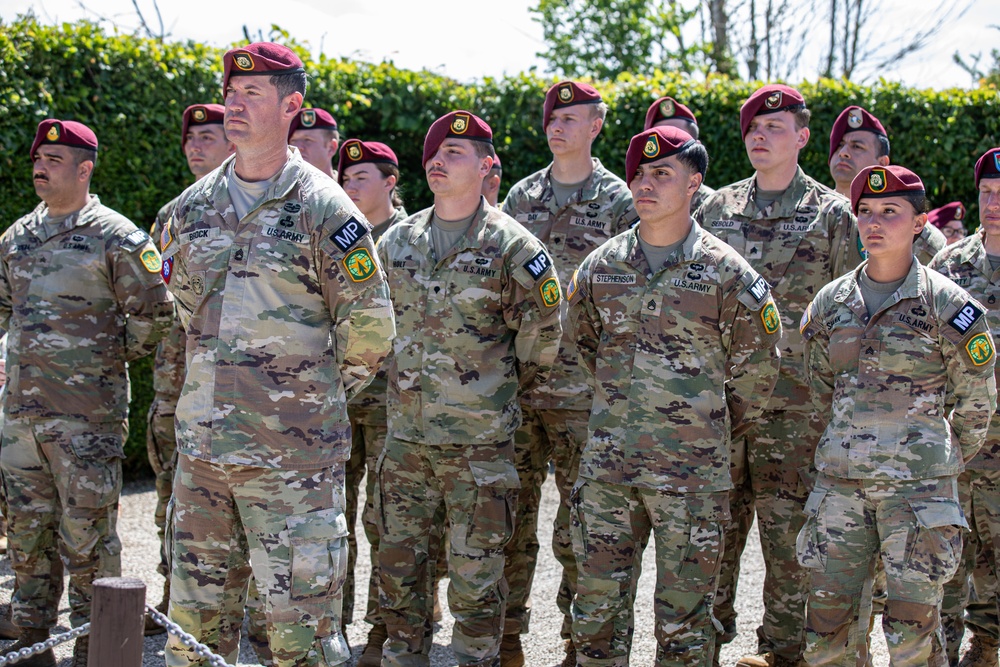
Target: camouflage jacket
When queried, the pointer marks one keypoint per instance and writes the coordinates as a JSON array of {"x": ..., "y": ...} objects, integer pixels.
[
  {"x": 681, "y": 358},
  {"x": 600, "y": 210},
  {"x": 168, "y": 363},
  {"x": 930, "y": 242},
  {"x": 475, "y": 328},
  {"x": 368, "y": 405},
  {"x": 287, "y": 315},
  {"x": 968, "y": 267},
  {"x": 701, "y": 195},
  {"x": 799, "y": 243},
  {"x": 912, "y": 390},
  {"x": 78, "y": 305}
]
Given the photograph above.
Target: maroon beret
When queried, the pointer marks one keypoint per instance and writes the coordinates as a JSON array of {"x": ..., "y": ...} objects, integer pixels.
[
  {"x": 988, "y": 166},
  {"x": 884, "y": 182},
  {"x": 201, "y": 114},
  {"x": 654, "y": 144},
  {"x": 939, "y": 217},
  {"x": 460, "y": 124},
  {"x": 63, "y": 133},
  {"x": 567, "y": 94},
  {"x": 496, "y": 162},
  {"x": 355, "y": 151},
  {"x": 849, "y": 120},
  {"x": 666, "y": 108},
  {"x": 259, "y": 58},
  {"x": 312, "y": 119},
  {"x": 769, "y": 99}
]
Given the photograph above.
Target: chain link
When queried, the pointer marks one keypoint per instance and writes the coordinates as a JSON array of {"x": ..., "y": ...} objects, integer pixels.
[
  {"x": 40, "y": 647},
  {"x": 188, "y": 640}
]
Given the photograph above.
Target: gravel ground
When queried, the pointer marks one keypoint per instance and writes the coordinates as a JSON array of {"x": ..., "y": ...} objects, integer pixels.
[{"x": 543, "y": 646}]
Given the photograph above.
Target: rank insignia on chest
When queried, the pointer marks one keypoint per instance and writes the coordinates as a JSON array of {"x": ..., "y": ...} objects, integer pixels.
[
  {"x": 550, "y": 292},
  {"x": 980, "y": 350},
  {"x": 769, "y": 317},
  {"x": 360, "y": 265},
  {"x": 151, "y": 260}
]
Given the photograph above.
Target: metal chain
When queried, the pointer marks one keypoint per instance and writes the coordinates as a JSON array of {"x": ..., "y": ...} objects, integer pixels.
[
  {"x": 188, "y": 640},
  {"x": 35, "y": 649}
]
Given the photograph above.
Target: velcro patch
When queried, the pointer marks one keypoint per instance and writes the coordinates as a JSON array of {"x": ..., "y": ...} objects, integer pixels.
[
  {"x": 980, "y": 350},
  {"x": 349, "y": 233},
  {"x": 360, "y": 265},
  {"x": 966, "y": 316},
  {"x": 151, "y": 260},
  {"x": 135, "y": 240},
  {"x": 769, "y": 317},
  {"x": 538, "y": 265},
  {"x": 167, "y": 270},
  {"x": 759, "y": 290}
]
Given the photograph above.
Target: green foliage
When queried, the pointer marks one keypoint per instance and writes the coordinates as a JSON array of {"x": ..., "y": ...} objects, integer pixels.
[{"x": 132, "y": 92}]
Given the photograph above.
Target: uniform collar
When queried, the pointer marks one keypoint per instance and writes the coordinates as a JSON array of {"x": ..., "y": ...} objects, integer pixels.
[
  {"x": 783, "y": 207},
  {"x": 691, "y": 250}
]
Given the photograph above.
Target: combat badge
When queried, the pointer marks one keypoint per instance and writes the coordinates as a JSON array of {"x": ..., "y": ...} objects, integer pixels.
[
  {"x": 550, "y": 292},
  {"x": 151, "y": 260},
  {"x": 769, "y": 317},
  {"x": 360, "y": 265},
  {"x": 980, "y": 350}
]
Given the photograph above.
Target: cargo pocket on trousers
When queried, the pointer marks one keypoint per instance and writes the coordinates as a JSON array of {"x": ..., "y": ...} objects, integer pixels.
[
  {"x": 492, "y": 523},
  {"x": 378, "y": 504},
  {"x": 934, "y": 542},
  {"x": 810, "y": 543},
  {"x": 96, "y": 479},
  {"x": 319, "y": 550},
  {"x": 706, "y": 518}
]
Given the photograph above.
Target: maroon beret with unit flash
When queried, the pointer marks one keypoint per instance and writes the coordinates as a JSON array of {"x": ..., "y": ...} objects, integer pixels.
[
  {"x": 567, "y": 94},
  {"x": 355, "y": 151},
  {"x": 666, "y": 108},
  {"x": 988, "y": 166},
  {"x": 884, "y": 182},
  {"x": 259, "y": 58},
  {"x": 312, "y": 119},
  {"x": 496, "y": 162},
  {"x": 654, "y": 144},
  {"x": 940, "y": 217},
  {"x": 458, "y": 124},
  {"x": 849, "y": 120},
  {"x": 769, "y": 99},
  {"x": 201, "y": 114},
  {"x": 63, "y": 133}
]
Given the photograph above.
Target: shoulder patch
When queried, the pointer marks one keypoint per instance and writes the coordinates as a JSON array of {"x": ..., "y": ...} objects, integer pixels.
[
  {"x": 151, "y": 260},
  {"x": 165, "y": 238},
  {"x": 980, "y": 349},
  {"x": 360, "y": 265},
  {"x": 551, "y": 295},
  {"x": 759, "y": 290},
  {"x": 349, "y": 233},
  {"x": 538, "y": 264},
  {"x": 134, "y": 240},
  {"x": 573, "y": 285},
  {"x": 769, "y": 317},
  {"x": 806, "y": 319},
  {"x": 966, "y": 316}
]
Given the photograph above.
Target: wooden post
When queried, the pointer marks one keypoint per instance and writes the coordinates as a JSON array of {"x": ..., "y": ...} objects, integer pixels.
[{"x": 116, "y": 622}]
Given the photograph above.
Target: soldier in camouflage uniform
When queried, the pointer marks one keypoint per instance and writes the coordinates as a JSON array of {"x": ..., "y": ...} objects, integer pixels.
[
  {"x": 905, "y": 359},
  {"x": 287, "y": 316},
  {"x": 477, "y": 304},
  {"x": 799, "y": 235},
  {"x": 858, "y": 140},
  {"x": 680, "y": 336},
  {"x": 668, "y": 111},
  {"x": 972, "y": 264},
  {"x": 314, "y": 132},
  {"x": 572, "y": 206},
  {"x": 81, "y": 296},
  {"x": 950, "y": 219},
  {"x": 204, "y": 143},
  {"x": 491, "y": 184}
]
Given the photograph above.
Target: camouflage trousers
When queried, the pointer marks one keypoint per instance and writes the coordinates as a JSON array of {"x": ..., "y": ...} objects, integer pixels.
[
  {"x": 975, "y": 606},
  {"x": 779, "y": 454},
  {"x": 611, "y": 525},
  {"x": 477, "y": 484},
  {"x": 916, "y": 528},
  {"x": 544, "y": 435},
  {"x": 295, "y": 532},
  {"x": 161, "y": 449},
  {"x": 354, "y": 473},
  {"x": 61, "y": 478},
  {"x": 373, "y": 436}
]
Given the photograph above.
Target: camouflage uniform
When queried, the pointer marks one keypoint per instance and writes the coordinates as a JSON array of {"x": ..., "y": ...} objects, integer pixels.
[
  {"x": 929, "y": 243},
  {"x": 287, "y": 315},
  {"x": 799, "y": 243},
  {"x": 476, "y": 328},
  {"x": 966, "y": 264},
  {"x": 79, "y": 302},
  {"x": 555, "y": 414},
  {"x": 913, "y": 392},
  {"x": 701, "y": 195},
  {"x": 695, "y": 342}
]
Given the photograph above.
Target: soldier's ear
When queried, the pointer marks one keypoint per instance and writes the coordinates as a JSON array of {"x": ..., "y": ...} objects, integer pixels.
[{"x": 803, "y": 138}]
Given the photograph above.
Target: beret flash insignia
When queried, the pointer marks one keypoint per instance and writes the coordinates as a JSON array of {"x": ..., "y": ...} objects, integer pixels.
[
  {"x": 308, "y": 118},
  {"x": 354, "y": 151},
  {"x": 959, "y": 212},
  {"x": 652, "y": 147},
  {"x": 199, "y": 115},
  {"x": 877, "y": 181},
  {"x": 53, "y": 133},
  {"x": 996, "y": 161},
  {"x": 460, "y": 123},
  {"x": 667, "y": 108},
  {"x": 566, "y": 93},
  {"x": 243, "y": 61},
  {"x": 854, "y": 118},
  {"x": 773, "y": 100}
]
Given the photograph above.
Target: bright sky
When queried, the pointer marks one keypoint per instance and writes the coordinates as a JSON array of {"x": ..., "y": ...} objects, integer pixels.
[{"x": 471, "y": 39}]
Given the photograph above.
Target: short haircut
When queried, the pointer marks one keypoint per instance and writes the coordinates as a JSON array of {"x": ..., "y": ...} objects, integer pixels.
[
  {"x": 387, "y": 169},
  {"x": 802, "y": 117},
  {"x": 288, "y": 83},
  {"x": 920, "y": 202},
  {"x": 483, "y": 148},
  {"x": 599, "y": 110},
  {"x": 882, "y": 145},
  {"x": 81, "y": 155},
  {"x": 695, "y": 158}
]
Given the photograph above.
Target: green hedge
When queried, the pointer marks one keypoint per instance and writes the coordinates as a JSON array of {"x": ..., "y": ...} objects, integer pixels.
[{"x": 132, "y": 91}]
